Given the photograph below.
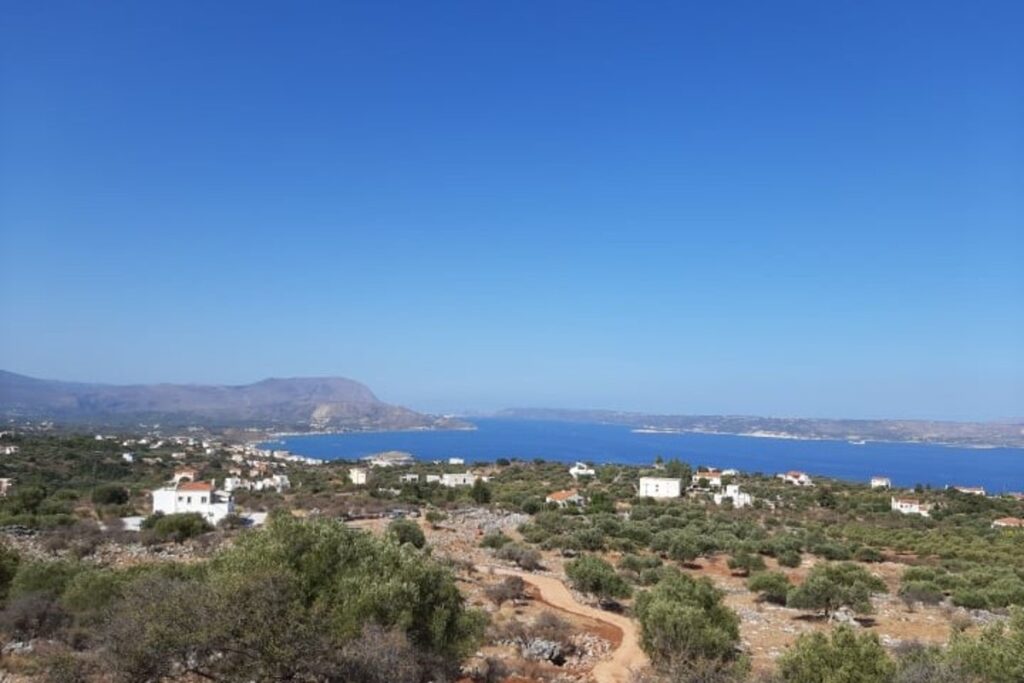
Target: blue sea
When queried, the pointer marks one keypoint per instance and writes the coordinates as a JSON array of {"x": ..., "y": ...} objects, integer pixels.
[{"x": 997, "y": 469}]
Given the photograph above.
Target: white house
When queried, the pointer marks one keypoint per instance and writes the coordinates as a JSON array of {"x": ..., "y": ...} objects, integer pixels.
[
  {"x": 713, "y": 477},
  {"x": 564, "y": 498},
  {"x": 9, "y": 450},
  {"x": 433, "y": 478},
  {"x": 581, "y": 469},
  {"x": 357, "y": 475},
  {"x": 796, "y": 478},
  {"x": 194, "y": 496},
  {"x": 880, "y": 483},
  {"x": 275, "y": 482},
  {"x": 739, "y": 499},
  {"x": 235, "y": 484},
  {"x": 910, "y": 506},
  {"x": 660, "y": 487},
  {"x": 128, "y": 457},
  {"x": 462, "y": 479},
  {"x": 409, "y": 478},
  {"x": 5, "y": 485},
  {"x": 456, "y": 461}
]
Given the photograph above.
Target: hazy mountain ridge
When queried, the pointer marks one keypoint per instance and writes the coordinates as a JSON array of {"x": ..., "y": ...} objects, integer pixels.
[
  {"x": 327, "y": 403},
  {"x": 978, "y": 434}
]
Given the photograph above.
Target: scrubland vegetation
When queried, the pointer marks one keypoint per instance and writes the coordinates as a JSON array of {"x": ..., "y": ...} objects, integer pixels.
[{"x": 307, "y": 600}]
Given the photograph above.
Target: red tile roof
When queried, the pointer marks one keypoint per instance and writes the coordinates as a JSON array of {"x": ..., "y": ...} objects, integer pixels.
[
  {"x": 1010, "y": 521},
  {"x": 196, "y": 486}
]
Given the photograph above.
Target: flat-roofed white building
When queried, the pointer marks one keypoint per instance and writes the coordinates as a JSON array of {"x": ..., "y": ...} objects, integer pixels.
[
  {"x": 581, "y": 469},
  {"x": 199, "y": 497},
  {"x": 880, "y": 483},
  {"x": 660, "y": 487},
  {"x": 739, "y": 498},
  {"x": 910, "y": 506},
  {"x": 459, "y": 479},
  {"x": 358, "y": 475}
]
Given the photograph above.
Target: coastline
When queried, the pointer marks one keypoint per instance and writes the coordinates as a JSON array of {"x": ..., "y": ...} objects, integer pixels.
[{"x": 782, "y": 436}]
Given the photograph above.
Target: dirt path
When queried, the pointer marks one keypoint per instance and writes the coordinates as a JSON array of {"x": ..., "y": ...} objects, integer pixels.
[{"x": 624, "y": 659}]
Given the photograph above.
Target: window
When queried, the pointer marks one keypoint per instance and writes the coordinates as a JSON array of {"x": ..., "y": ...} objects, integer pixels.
[
  {"x": 203, "y": 499},
  {"x": 189, "y": 501}
]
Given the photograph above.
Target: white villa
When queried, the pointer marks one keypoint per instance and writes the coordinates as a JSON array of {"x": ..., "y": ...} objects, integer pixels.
[
  {"x": 660, "y": 487},
  {"x": 910, "y": 506},
  {"x": 456, "y": 461},
  {"x": 200, "y": 497},
  {"x": 796, "y": 478},
  {"x": 581, "y": 469},
  {"x": 275, "y": 482},
  {"x": 409, "y": 478},
  {"x": 5, "y": 486},
  {"x": 454, "y": 480},
  {"x": 880, "y": 483},
  {"x": 739, "y": 499},
  {"x": 357, "y": 475},
  {"x": 8, "y": 450}
]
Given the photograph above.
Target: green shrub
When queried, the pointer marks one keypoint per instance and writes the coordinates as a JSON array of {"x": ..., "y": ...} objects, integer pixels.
[
  {"x": 527, "y": 558},
  {"x": 590, "y": 574},
  {"x": 685, "y": 617},
  {"x": 789, "y": 558},
  {"x": 176, "y": 528},
  {"x": 494, "y": 539},
  {"x": 110, "y": 494},
  {"x": 772, "y": 586},
  {"x": 831, "y": 586},
  {"x": 926, "y": 592},
  {"x": 44, "y": 577},
  {"x": 407, "y": 531},
  {"x": 845, "y": 657}
]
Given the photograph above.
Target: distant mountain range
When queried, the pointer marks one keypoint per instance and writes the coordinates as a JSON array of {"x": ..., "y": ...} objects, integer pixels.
[
  {"x": 974, "y": 434},
  {"x": 321, "y": 403}
]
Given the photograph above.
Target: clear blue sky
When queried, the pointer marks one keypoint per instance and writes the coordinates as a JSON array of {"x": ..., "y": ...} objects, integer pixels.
[{"x": 809, "y": 208}]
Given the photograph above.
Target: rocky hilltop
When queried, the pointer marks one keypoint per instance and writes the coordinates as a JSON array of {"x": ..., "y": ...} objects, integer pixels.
[{"x": 302, "y": 403}]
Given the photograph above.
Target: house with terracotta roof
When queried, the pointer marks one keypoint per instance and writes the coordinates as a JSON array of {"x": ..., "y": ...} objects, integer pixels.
[
  {"x": 1008, "y": 523},
  {"x": 564, "y": 498},
  {"x": 200, "y": 497},
  {"x": 910, "y": 506},
  {"x": 713, "y": 477}
]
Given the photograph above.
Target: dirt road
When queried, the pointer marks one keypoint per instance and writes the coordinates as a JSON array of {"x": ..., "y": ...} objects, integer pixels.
[{"x": 624, "y": 659}]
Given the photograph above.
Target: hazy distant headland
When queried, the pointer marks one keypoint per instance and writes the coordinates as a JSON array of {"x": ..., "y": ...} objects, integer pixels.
[
  {"x": 297, "y": 404},
  {"x": 976, "y": 434}
]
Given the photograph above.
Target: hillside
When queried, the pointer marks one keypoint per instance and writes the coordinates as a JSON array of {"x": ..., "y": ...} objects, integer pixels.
[{"x": 329, "y": 403}]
